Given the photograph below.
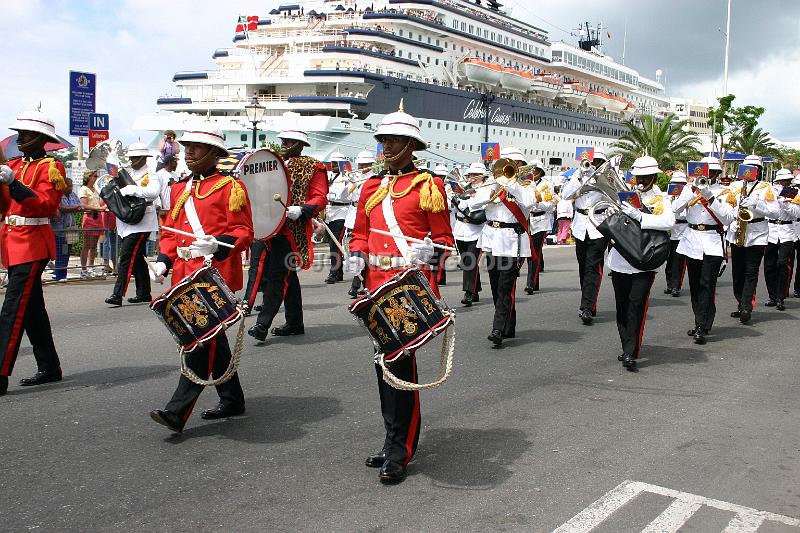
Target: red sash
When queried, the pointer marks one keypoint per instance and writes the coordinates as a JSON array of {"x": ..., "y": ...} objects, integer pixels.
[{"x": 522, "y": 220}]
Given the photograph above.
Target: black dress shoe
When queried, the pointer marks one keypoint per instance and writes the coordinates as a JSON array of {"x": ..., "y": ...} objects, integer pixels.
[
  {"x": 529, "y": 290},
  {"x": 496, "y": 337},
  {"x": 629, "y": 362},
  {"x": 780, "y": 305},
  {"x": 691, "y": 332},
  {"x": 736, "y": 314},
  {"x": 476, "y": 297},
  {"x": 286, "y": 330},
  {"x": 330, "y": 279},
  {"x": 467, "y": 299},
  {"x": 40, "y": 378},
  {"x": 257, "y": 308},
  {"x": 3, "y": 385},
  {"x": 392, "y": 472},
  {"x": 586, "y": 317},
  {"x": 168, "y": 418},
  {"x": 376, "y": 460},
  {"x": 222, "y": 411},
  {"x": 352, "y": 293},
  {"x": 744, "y": 316},
  {"x": 770, "y": 303},
  {"x": 700, "y": 336},
  {"x": 140, "y": 299},
  {"x": 116, "y": 301},
  {"x": 258, "y": 331},
  {"x": 676, "y": 293},
  {"x": 668, "y": 290}
]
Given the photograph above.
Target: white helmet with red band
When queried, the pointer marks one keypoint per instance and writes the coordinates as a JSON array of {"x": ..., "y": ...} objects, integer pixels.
[
  {"x": 36, "y": 122},
  {"x": 204, "y": 134},
  {"x": 402, "y": 124}
]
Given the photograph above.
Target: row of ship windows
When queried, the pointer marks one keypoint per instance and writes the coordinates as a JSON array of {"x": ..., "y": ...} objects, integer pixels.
[
  {"x": 595, "y": 66},
  {"x": 530, "y": 152},
  {"x": 547, "y": 121},
  {"x": 481, "y": 33}
]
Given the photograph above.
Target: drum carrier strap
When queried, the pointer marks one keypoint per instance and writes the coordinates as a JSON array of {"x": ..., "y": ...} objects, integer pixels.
[{"x": 445, "y": 365}]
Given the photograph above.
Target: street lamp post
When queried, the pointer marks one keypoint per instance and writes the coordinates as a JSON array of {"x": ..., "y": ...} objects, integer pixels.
[{"x": 255, "y": 112}]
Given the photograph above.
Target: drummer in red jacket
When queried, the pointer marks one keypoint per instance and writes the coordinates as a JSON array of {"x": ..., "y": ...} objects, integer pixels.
[
  {"x": 31, "y": 188},
  {"x": 216, "y": 209},
  {"x": 410, "y": 202}
]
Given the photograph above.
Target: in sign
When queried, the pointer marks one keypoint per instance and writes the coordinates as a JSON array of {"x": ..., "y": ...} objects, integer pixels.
[{"x": 98, "y": 121}]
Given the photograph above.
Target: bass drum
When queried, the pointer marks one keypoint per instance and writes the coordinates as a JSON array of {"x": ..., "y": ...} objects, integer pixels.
[{"x": 264, "y": 175}]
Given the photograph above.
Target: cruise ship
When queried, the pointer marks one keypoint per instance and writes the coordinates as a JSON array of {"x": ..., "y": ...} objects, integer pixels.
[{"x": 468, "y": 70}]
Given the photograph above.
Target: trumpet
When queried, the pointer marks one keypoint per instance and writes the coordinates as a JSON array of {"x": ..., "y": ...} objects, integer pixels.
[{"x": 507, "y": 171}]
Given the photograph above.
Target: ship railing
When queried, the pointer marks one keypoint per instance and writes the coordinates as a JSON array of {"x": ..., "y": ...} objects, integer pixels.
[{"x": 227, "y": 98}]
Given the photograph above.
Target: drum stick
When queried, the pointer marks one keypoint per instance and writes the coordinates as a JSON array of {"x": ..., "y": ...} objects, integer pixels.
[
  {"x": 180, "y": 232},
  {"x": 412, "y": 239}
]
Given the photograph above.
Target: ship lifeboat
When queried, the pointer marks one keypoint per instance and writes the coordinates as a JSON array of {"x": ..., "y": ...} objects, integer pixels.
[
  {"x": 599, "y": 100},
  {"x": 574, "y": 93},
  {"x": 516, "y": 80},
  {"x": 482, "y": 71},
  {"x": 546, "y": 85},
  {"x": 629, "y": 111}
]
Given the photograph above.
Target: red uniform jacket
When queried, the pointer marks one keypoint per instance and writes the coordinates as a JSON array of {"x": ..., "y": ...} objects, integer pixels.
[
  {"x": 217, "y": 219},
  {"x": 412, "y": 219},
  {"x": 316, "y": 200},
  {"x": 33, "y": 195}
]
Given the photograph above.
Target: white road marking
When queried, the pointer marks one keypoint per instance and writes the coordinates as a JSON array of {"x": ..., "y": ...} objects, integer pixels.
[{"x": 747, "y": 520}]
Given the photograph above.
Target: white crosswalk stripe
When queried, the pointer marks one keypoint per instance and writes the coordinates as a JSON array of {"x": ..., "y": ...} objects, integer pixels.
[{"x": 684, "y": 506}]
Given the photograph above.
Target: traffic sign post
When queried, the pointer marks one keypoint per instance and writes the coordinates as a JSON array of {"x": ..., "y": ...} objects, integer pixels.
[
  {"x": 82, "y": 98},
  {"x": 98, "y": 129}
]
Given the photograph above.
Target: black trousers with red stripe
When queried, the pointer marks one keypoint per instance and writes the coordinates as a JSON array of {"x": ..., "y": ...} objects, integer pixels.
[
  {"x": 24, "y": 310},
  {"x": 536, "y": 263},
  {"x": 590, "y": 253},
  {"x": 675, "y": 266},
  {"x": 470, "y": 266},
  {"x": 778, "y": 265},
  {"x": 400, "y": 410},
  {"x": 210, "y": 359},
  {"x": 255, "y": 275},
  {"x": 338, "y": 229},
  {"x": 631, "y": 293},
  {"x": 280, "y": 284},
  {"x": 132, "y": 263},
  {"x": 503, "y": 274},
  {"x": 703, "y": 288},
  {"x": 797, "y": 270},
  {"x": 745, "y": 263}
]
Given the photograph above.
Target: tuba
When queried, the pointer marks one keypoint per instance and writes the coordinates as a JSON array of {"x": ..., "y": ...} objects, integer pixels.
[
  {"x": 604, "y": 180},
  {"x": 129, "y": 209}
]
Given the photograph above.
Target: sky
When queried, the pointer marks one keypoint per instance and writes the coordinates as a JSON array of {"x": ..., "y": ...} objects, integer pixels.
[{"x": 135, "y": 46}]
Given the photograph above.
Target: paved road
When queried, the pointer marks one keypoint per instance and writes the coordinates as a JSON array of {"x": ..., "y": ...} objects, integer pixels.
[{"x": 519, "y": 439}]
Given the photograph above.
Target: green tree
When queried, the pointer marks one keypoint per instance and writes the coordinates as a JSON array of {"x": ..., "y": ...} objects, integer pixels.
[
  {"x": 788, "y": 157},
  {"x": 665, "y": 140},
  {"x": 755, "y": 141},
  {"x": 729, "y": 123}
]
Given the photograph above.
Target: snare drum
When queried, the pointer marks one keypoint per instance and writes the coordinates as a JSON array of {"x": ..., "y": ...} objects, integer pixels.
[
  {"x": 198, "y": 308},
  {"x": 402, "y": 315}
]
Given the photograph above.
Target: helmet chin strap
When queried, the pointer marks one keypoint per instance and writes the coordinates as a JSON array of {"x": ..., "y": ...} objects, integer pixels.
[
  {"x": 204, "y": 162},
  {"x": 400, "y": 154}
]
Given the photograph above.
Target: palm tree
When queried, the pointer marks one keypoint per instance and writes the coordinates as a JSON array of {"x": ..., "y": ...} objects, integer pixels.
[
  {"x": 755, "y": 141},
  {"x": 665, "y": 140}
]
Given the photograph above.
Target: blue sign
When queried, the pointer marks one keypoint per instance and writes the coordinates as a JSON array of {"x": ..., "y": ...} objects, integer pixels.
[
  {"x": 98, "y": 121},
  {"x": 82, "y": 97}
]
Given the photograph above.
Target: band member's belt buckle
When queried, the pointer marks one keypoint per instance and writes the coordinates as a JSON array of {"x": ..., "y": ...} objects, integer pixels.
[
  {"x": 13, "y": 220},
  {"x": 495, "y": 223},
  {"x": 385, "y": 262},
  {"x": 184, "y": 253},
  {"x": 701, "y": 227}
]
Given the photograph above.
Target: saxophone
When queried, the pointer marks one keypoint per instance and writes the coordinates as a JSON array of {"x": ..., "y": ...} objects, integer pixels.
[{"x": 744, "y": 216}]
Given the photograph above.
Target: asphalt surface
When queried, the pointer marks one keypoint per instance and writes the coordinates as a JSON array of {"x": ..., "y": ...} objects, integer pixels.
[{"x": 519, "y": 439}]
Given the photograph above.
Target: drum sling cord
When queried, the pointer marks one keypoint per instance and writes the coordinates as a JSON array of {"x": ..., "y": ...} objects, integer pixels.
[
  {"x": 233, "y": 365},
  {"x": 445, "y": 365}
]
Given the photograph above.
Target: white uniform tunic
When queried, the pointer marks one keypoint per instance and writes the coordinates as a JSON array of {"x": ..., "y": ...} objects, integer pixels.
[
  {"x": 464, "y": 231},
  {"x": 163, "y": 200},
  {"x": 664, "y": 220},
  {"x": 150, "y": 193},
  {"x": 338, "y": 193},
  {"x": 696, "y": 243},
  {"x": 542, "y": 212},
  {"x": 581, "y": 227},
  {"x": 758, "y": 232},
  {"x": 503, "y": 242},
  {"x": 355, "y": 194},
  {"x": 789, "y": 212},
  {"x": 564, "y": 209},
  {"x": 680, "y": 226}
]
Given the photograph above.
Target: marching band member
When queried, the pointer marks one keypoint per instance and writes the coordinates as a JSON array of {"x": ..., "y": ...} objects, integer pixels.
[
  {"x": 590, "y": 245},
  {"x": 339, "y": 200},
  {"x": 364, "y": 163},
  {"x": 216, "y": 209},
  {"x": 676, "y": 263},
  {"x": 407, "y": 202},
  {"x": 632, "y": 286},
  {"x": 796, "y": 227},
  {"x": 466, "y": 231},
  {"x": 441, "y": 171},
  {"x": 31, "y": 188},
  {"x": 541, "y": 223},
  {"x": 506, "y": 242},
  {"x": 291, "y": 248},
  {"x": 760, "y": 200},
  {"x": 132, "y": 250},
  {"x": 703, "y": 245},
  {"x": 779, "y": 253}
]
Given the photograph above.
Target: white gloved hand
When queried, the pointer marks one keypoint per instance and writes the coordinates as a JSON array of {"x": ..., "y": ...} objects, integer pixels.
[
  {"x": 355, "y": 264},
  {"x": 129, "y": 190},
  {"x": 6, "y": 174},
  {"x": 463, "y": 205},
  {"x": 205, "y": 245},
  {"x": 707, "y": 193},
  {"x": 631, "y": 211},
  {"x": 749, "y": 202},
  {"x": 293, "y": 212},
  {"x": 157, "y": 272},
  {"x": 421, "y": 252}
]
